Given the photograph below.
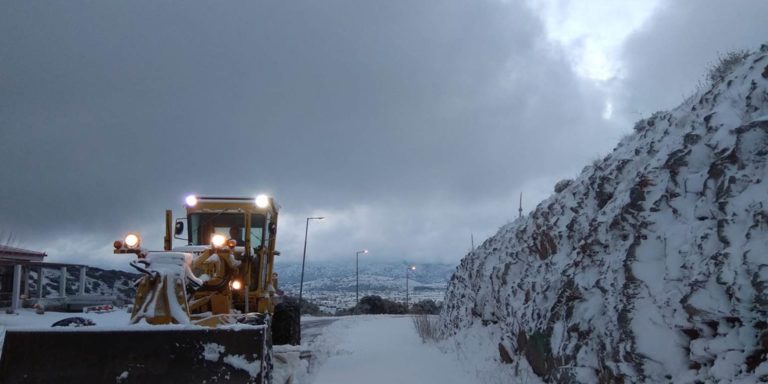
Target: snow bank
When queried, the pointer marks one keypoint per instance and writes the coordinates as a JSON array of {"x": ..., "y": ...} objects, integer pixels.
[
  {"x": 648, "y": 267},
  {"x": 287, "y": 364}
]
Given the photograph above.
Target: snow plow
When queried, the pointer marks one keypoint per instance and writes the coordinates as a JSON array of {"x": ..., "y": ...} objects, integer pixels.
[{"x": 204, "y": 312}]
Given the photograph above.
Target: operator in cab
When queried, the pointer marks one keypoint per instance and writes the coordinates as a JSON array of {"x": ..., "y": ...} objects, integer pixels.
[{"x": 235, "y": 233}]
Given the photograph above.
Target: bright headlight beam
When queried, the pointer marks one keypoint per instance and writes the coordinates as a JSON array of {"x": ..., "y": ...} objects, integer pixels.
[
  {"x": 262, "y": 201},
  {"x": 191, "y": 200},
  {"x": 236, "y": 285},
  {"x": 218, "y": 240},
  {"x": 132, "y": 240}
]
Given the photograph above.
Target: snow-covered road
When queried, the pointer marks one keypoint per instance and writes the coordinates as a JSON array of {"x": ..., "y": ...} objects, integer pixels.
[
  {"x": 347, "y": 350},
  {"x": 380, "y": 349}
]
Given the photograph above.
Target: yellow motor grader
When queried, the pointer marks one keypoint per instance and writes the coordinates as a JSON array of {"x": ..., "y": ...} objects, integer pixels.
[{"x": 204, "y": 312}]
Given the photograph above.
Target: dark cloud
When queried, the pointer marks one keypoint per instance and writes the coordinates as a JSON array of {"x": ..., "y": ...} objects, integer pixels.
[
  {"x": 410, "y": 124},
  {"x": 670, "y": 56}
]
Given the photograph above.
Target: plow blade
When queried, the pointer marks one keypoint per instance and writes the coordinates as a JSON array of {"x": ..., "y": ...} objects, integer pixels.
[{"x": 196, "y": 355}]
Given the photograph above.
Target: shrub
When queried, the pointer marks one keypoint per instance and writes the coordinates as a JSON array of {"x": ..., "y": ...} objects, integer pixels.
[
  {"x": 426, "y": 327},
  {"x": 425, "y": 307},
  {"x": 374, "y": 305},
  {"x": 725, "y": 65},
  {"x": 307, "y": 308}
]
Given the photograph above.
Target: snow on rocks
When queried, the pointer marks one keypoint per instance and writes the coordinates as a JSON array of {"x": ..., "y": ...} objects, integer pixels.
[{"x": 650, "y": 266}]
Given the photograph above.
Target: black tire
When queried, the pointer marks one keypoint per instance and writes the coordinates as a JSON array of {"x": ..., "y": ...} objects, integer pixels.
[
  {"x": 74, "y": 322},
  {"x": 286, "y": 324}
]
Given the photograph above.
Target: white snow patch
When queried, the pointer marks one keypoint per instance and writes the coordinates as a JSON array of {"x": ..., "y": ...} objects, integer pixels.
[
  {"x": 240, "y": 362},
  {"x": 287, "y": 364},
  {"x": 123, "y": 376},
  {"x": 2, "y": 340},
  {"x": 212, "y": 351},
  {"x": 382, "y": 350},
  {"x": 662, "y": 346}
]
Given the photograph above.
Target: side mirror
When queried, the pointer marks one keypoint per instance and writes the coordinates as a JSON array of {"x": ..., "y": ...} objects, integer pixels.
[{"x": 179, "y": 229}]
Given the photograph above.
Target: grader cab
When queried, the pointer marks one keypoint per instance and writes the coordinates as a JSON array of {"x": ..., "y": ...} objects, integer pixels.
[
  {"x": 205, "y": 311},
  {"x": 227, "y": 262}
]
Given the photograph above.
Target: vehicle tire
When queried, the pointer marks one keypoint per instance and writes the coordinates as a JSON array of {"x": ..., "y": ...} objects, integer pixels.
[
  {"x": 286, "y": 324},
  {"x": 74, "y": 322}
]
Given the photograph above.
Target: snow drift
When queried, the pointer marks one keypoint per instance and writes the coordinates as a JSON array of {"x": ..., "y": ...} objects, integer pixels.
[{"x": 652, "y": 265}]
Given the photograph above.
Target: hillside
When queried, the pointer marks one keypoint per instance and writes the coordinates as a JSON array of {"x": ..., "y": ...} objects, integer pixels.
[
  {"x": 651, "y": 265},
  {"x": 333, "y": 285},
  {"x": 376, "y": 276},
  {"x": 97, "y": 281}
]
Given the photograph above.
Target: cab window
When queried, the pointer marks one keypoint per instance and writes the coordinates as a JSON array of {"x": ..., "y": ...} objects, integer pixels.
[{"x": 202, "y": 226}]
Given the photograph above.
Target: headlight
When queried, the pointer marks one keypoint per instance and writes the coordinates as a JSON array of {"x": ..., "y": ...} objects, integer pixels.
[
  {"x": 262, "y": 201},
  {"x": 236, "y": 285},
  {"x": 191, "y": 200},
  {"x": 132, "y": 240},
  {"x": 218, "y": 240}
]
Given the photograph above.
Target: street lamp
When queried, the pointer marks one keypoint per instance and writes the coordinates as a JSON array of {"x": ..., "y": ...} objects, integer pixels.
[
  {"x": 407, "y": 271},
  {"x": 304, "y": 258},
  {"x": 357, "y": 274}
]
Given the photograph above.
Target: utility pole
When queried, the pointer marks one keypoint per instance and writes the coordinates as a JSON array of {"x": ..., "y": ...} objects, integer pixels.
[
  {"x": 357, "y": 275},
  {"x": 520, "y": 207},
  {"x": 407, "y": 271},
  {"x": 303, "y": 257}
]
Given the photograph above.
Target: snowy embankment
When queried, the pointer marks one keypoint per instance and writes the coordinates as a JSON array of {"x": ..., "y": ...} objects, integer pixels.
[
  {"x": 651, "y": 265},
  {"x": 381, "y": 349}
]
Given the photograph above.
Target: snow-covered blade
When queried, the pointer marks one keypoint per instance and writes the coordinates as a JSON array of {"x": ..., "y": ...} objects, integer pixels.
[
  {"x": 157, "y": 354},
  {"x": 651, "y": 266}
]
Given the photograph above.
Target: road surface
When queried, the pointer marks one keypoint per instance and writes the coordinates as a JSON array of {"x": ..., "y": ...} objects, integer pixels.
[
  {"x": 313, "y": 327},
  {"x": 380, "y": 350}
]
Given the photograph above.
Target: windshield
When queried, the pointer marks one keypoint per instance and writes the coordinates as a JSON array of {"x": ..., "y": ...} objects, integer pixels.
[{"x": 202, "y": 226}]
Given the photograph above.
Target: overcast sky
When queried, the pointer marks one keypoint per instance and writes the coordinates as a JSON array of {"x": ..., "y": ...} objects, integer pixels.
[{"x": 410, "y": 125}]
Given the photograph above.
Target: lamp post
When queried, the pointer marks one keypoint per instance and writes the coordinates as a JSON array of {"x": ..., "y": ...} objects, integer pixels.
[
  {"x": 357, "y": 275},
  {"x": 304, "y": 258},
  {"x": 407, "y": 271}
]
